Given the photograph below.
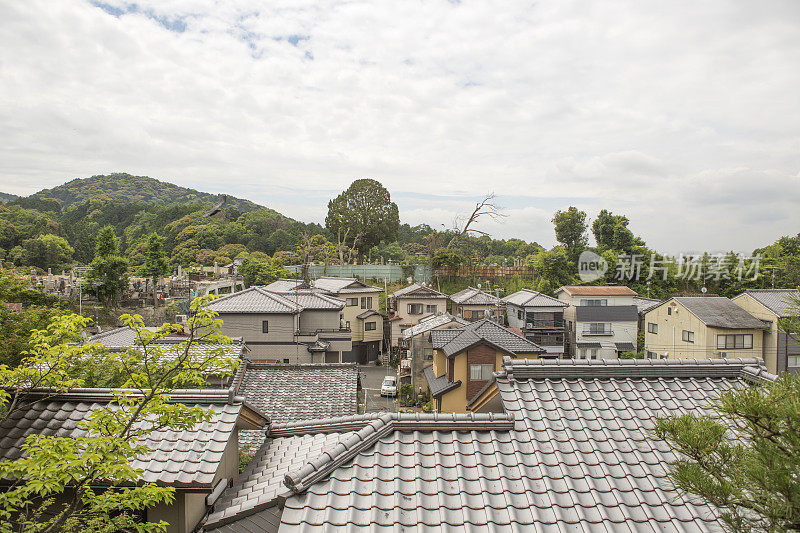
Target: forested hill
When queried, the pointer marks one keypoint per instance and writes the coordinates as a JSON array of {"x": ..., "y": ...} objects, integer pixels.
[
  {"x": 135, "y": 189},
  {"x": 7, "y": 197}
]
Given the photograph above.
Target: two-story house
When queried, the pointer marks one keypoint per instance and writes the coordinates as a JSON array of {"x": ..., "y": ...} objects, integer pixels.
[
  {"x": 360, "y": 315},
  {"x": 301, "y": 326},
  {"x": 781, "y": 349},
  {"x": 602, "y": 321},
  {"x": 465, "y": 359},
  {"x": 540, "y": 318},
  {"x": 410, "y": 304},
  {"x": 474, "y": 304},
  {"x": 702, "y": 327},
  {"x": 420, "y": 349}
]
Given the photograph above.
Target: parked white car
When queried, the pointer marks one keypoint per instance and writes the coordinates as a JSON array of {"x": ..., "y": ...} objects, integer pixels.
[{"x": 389, "y": 386}]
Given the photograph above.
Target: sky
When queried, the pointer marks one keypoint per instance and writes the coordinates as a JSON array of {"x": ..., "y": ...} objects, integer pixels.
[{"x": 684, "y": 116}]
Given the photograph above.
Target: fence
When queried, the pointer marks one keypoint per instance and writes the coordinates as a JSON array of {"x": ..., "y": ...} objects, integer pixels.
[
  {"x": 391, "y": 273},
  {"x": 486, "y": 271}
]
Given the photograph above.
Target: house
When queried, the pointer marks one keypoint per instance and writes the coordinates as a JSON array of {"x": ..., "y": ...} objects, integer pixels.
[
  {"x": 643, "y": 305},
  {"x": 540, "y": 318},
  {"x": 570, "y": 450},
  {"x": 602, "y": 321},
  {"x": 465, "y": 358},
  {"x": 360, "y": 314},
  {"x": 294, "y": 392},
  {"x": 417, "y": 341},
  {"x": 286, "y": 285},
  {"x": 474, "y": 304},
  {"x": 706, "y": 326},
  {"x": 197, "y": 462},
  {"x": 411, "y": 304},
  {"x": 303, "y": 326},
  {"x": 781, "y": 349}
]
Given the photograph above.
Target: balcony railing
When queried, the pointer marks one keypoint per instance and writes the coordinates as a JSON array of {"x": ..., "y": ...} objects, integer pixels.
[{"x": 542, "y": 324}]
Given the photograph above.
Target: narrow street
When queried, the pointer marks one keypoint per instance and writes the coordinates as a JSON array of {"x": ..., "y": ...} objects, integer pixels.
[{"x": 371, "y": 379}]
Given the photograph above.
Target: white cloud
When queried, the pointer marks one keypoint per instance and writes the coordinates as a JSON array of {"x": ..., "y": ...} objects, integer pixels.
[{"x": 683, "y": 116}]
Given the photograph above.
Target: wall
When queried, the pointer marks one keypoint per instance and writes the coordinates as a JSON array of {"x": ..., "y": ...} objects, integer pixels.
[
  {"x": 391, "y": 273},
  {"x": 312, "y": 320},
  {"x": 407, "y": 320},
  {"x": 464, "y": 310},
  {"x": 248, "y": 326},
  {"x": 620, "y": 332},
  {"x": 770, "y": 356}
]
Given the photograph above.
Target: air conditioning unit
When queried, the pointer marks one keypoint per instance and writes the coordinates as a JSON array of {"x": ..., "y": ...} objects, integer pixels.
[
  {"x": 723, "y": 355},
  {"x": 181, "y": 319}
]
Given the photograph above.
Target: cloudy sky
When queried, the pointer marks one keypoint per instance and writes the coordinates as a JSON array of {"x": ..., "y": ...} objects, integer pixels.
[{"x": 683, "y": 115}]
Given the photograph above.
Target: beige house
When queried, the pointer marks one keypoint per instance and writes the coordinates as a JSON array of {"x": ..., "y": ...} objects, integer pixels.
[
  {"x": 360, "y": 315},
  {"x": 474, "y": 304},
  {"x": 465, "y": 359},
  {"x": 302, "y": 326},
  {"x": 781, "y": 349},
  {"x": 410, "y": 305},
  {"x": 417, "y": 339},
  {"x": 702, "y": 327}
]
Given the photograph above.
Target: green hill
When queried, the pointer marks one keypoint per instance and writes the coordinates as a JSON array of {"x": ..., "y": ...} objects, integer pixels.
[
  {"x": 136, "y": 189},
  {"x": 7, "y": 197}
]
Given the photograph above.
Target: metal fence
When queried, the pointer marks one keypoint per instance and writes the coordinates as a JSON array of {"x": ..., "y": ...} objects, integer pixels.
[{"x": 391, "y": 273}]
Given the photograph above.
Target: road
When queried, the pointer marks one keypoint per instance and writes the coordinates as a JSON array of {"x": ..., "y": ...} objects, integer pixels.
[{"x": 372, "y": 377}]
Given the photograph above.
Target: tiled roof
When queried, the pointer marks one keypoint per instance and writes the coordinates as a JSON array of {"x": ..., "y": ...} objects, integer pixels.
[
  {"x": 343, "y": 285},
  {"x": 254, "y": 300},
  {"x": 432, "y": 322},
  {"x": 719, "y": 312},
  {"x": 597, "y": 290},
  {"x": 182, "y": 458},
  {"x": 529, "y": 298},
  {"x": 573, "y": 453},
  {"x": 311, "y": 299},
  {"x": 418, "y": 292},
  {"x": 286, "y": 285},
  {"x": 782, "y": 302},
  {"x": 439, "y": 385},
  {"x": 645, "y": 304},
  {"x": 124, "y": 338},
  {"x": 367, "y": 314},
  {"x": 482, "y": 331},
  {"x": 473, "y": 296}
]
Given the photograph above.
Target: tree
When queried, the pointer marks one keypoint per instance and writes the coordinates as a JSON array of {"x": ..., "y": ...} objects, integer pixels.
[
  {"x": 58, "y": 478},
  {"x": 464, "y": 225},
  {"x": 570, "y": 227},
  {"x": 450, "y": 258},
  {"x": 611, "y": 232},
  {"x": 262, "y": 272},
  {"x": 363, "y": 215},
  {"x": 48, "y": 251},
  {"x": 109, "y": 270},
  {"x": 155, "y": 262},
  {"x": 551, "y": 269}
]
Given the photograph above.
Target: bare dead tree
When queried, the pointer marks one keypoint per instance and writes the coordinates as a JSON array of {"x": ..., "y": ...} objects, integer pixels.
[{"x": 486, "y": 208}]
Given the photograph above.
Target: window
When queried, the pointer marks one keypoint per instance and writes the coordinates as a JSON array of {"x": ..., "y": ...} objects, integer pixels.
[
  {"x": 793, "y": 361},
  {"x": 366, "y": 302},
  {"x": 286, "y": 361},
  {"x": 520, "y": 314},
  {"x": 370, "y": 326},
  {"x": 352, "y": 302},
  {"x": 430, "y": 309},
  {"x": 265, "y": 326},
  {"x": 582, "y": 353},
  {"x": 732, "y": 342},
  {"x": 480, "y": 372},
  {"x": 594, "y": 303},
  {"x": 415, "y": 309},
  {"x": 669, "y": 310},
  {"x": 428, "y": 354},
  {"x": 652, "y": 327},
  {"x": 687, "y": 336},
  {"x": 597, "y": 328},
  {"x": 651, "y": 355},
  {"x": 593, "y": 352}
]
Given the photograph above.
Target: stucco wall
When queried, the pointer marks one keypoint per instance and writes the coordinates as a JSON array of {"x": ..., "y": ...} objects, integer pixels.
[
  {"x": 405, "y": 319},
  {"x": 281, "y": 326}
]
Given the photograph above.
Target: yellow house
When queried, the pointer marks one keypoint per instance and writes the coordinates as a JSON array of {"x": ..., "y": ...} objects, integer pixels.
[
  {"x": 465, "y": 359},
  {"x": 781, "y": 349},
  {"x": 702, "y": 327}
]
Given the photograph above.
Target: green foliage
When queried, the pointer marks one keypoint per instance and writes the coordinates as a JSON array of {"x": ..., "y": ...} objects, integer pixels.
[
  {"x": 552, "y": 269},
  {"x": 367, "y": 211},
  {"x": 155, "y": 262},
  {"x": 109, "y": 271},
  {"x": 48, "y": 251},
  {"x": 60, "y": 476},
  {"x": 570, "y": 227},
  {"x": 262, "y": 272},
  {"x": 448, "y": 258},
  {"x": 744, "y": 460},
  {"x": 611, "y": 232},
  {"x": 245, "y": 456}
]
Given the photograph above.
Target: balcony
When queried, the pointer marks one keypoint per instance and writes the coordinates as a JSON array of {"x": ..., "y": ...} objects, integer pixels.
[{"x": 544, "y": 324}]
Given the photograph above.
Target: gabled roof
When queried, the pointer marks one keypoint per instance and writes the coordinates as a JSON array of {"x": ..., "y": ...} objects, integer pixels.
[
  {"x": 432, "y": 322},
  {"x": 455, "y": 341},
  {"x": 415, "y": 290},
  {"x": 312, "y": 299},
  {"x": 286, "y": 285},
  {"x": 439, "y": 385},
  {"x": 719, "y": 312},
  {"x": 343, "y": 285},
  {"x": 643, "y": 304},
  {"x": 124, "y": 338},
  {"x": 181, "y": 458},
  {"x": 473, "y": 296},
  {"x": 529, "y": 298},
  {"x": 254, "y": 300},
  {"x": 597, "y": 290},
  {"x": 366, "y": 314},
  {"x": 782, "y": 302}
]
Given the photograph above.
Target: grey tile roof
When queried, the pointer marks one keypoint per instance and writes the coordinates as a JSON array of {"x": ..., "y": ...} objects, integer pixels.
[
  {"x": 182, "y": 458},
  {"x": 287, "y": 392},
  {"x": 482, "y": 331},
  {"x": 597, "y": 290},
  {"x": 529, "y": 298},
  {"x": 720, "y": 312},
  {"x": 343, "y": 285},
  {"x": 782, "y": 302},
  {"x": 606, "y": 313},
  {"x": 415, "y": 290},
  {"x": 625, "y": 346},
  {"x": 643, "y": 304},
  {"x": 573, "y": 453},
  {"x": 433, "y": 322},
  {"x": 439, "y": 385},
  {"x": 124, "y": 338},
  {"x": 254, "y": 300},
  {"x": 367, "y": 314},
  {"x": 286, "y": 285},
  {"x": 473, "y": 296}
]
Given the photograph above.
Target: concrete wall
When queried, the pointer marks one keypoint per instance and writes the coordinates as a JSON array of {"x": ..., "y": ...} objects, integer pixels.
[
  {"x": 316, "y": 319},
  {"x": 466, "y": 311},
  {"x": 620, "y": 332},
  {"x": 407, "y": 320},
  {"x": 248, "y": 326}
]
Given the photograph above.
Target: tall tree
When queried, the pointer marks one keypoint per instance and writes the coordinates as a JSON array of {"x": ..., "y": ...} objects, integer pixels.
[
  {"x": 363, "y": 215},
  {"x": 464, "y": 225},
  {"x": 570, "y": 227},
  {"x": 611, "y": 232},
  {"x": 109, "y": 271},
  {"x": 155, "y": 262}
]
